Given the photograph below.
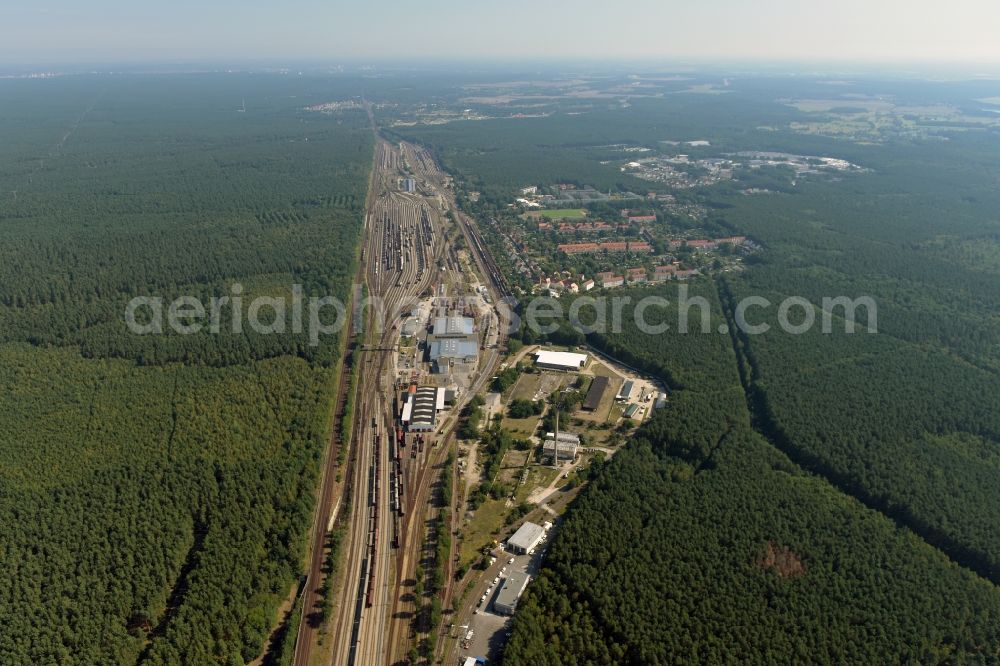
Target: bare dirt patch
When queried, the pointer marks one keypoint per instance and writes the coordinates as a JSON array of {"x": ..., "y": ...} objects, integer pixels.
[{"x": 781, "y": 560}]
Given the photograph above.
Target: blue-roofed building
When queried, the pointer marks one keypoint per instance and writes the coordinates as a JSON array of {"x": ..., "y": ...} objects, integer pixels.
[{"x": 453, "y": 353}]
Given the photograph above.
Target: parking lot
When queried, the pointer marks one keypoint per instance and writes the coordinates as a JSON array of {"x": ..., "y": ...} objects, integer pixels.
[{"x": 489, "y": 629}]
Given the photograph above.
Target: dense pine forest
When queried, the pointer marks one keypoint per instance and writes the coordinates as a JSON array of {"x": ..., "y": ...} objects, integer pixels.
[
  {"x": 155, "y": 491},
  {"x": 701, "y": 542}
]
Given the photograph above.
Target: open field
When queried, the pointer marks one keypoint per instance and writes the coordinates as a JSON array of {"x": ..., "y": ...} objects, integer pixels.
[
  {"x": 564, "y": 213},
  {"x": 532, "y": 386},
  {"x": 479, "y": 530},
  {"x": 523, "y": 428},
  {"x": 539, "y": 476},
  {"x": 526, "y": 387}
]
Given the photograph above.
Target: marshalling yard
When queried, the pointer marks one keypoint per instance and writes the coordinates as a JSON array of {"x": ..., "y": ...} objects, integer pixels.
[{"x": 381, "y": 497}]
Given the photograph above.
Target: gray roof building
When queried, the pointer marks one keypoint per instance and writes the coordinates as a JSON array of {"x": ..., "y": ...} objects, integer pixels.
[
  {"x": 525, "y": 538},
  {"x": 411, "y": 327},
  {"x": 568, "y": 444},
  {"x": 510, "y": 591},
  {"x": 453, "y": 353},
  {"x": 454, "y": 326},
  {"x": 463, "y": 349},
  {"x": 626, "y": 391}
]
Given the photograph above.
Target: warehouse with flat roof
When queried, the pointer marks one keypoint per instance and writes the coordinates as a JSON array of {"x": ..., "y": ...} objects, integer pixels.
[
  {"x": 451, "y": 353},
  {"x": 461, "y": 349},
  {"x": 595, "y": 393},
  {"x": 556, "y": 360},
  {"x": 510, "y": 591},
  {"x": 453, "y": 345},
  {"x": 456, "y": 327},
  {"x": 525, "y": 538}
]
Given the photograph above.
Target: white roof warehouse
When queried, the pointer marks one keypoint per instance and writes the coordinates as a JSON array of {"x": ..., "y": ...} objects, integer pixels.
[
  {"x": 525, "y": 538},
  {"x": 560, "y": 360}
]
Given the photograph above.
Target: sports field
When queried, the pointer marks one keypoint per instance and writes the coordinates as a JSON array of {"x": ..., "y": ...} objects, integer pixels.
[{"x": 565, "y": 214}]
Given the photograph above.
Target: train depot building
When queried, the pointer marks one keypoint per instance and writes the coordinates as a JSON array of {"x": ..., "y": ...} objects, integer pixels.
[
  {"x": 420, "y": 407},
  {"x": 453, "y": 345}
]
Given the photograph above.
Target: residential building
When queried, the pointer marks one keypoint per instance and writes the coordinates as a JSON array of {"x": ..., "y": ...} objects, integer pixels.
[
  {"x": 663, "y": 273},
  {"x": 607, "y": 246},
  {"x": 636, "y": 275}
]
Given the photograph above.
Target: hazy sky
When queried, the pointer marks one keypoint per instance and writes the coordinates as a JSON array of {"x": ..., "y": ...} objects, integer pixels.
[{"x": 68, "y": 31}]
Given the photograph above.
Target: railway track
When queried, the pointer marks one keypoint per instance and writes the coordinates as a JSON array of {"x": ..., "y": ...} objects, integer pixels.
[
  {"x": 421, "y": 510},
  {"x": 385, "y": 492},
  {"x": 402, "y": 247}
]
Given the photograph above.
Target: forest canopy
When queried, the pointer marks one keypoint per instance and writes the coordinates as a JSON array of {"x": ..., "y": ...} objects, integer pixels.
[{"x": 155, "y": 491}]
